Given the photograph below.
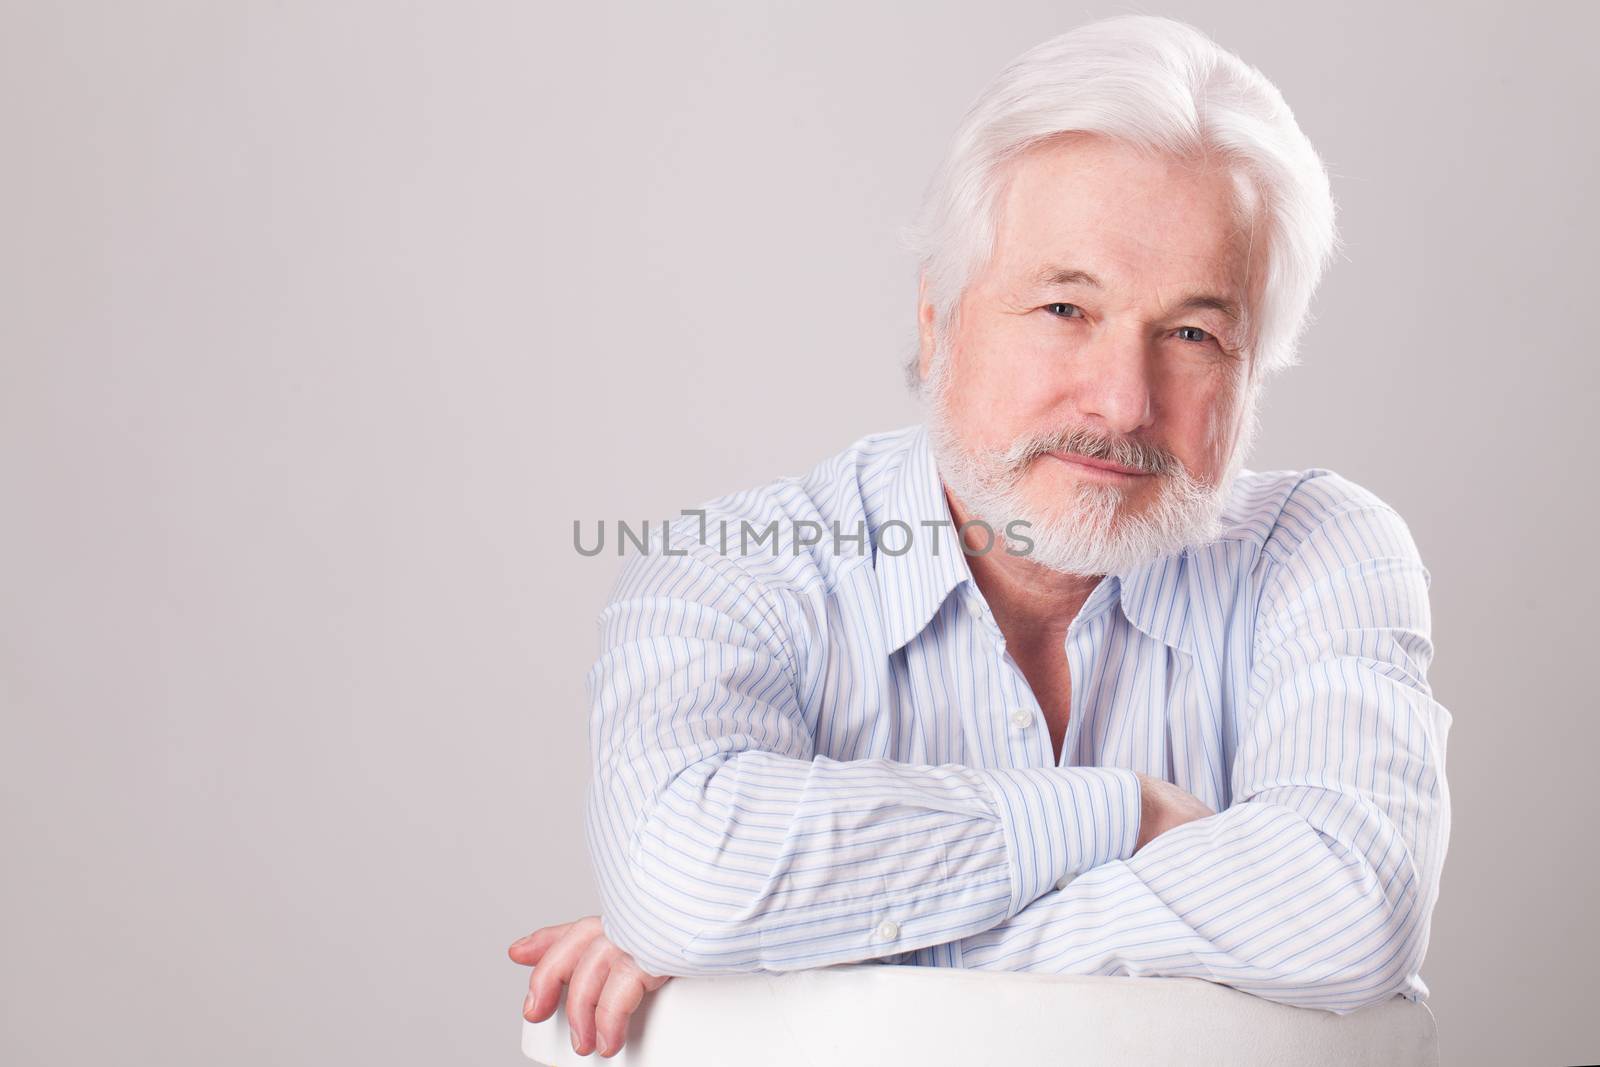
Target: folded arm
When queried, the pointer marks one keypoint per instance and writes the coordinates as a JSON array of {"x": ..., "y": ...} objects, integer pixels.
[
  {"x": 1316, "y": 885},
  {"x": 724, "y": 843}
]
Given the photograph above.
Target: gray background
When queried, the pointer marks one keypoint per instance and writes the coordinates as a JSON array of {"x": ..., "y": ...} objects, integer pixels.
[{"x": 323, "y": 322}]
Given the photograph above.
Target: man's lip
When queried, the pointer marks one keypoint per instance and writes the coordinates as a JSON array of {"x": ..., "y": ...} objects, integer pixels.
[{"x": 1099, "y": 464}]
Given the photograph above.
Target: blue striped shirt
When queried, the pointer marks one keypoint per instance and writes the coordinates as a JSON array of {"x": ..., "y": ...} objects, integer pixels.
[{"x": 813, "y": 754}]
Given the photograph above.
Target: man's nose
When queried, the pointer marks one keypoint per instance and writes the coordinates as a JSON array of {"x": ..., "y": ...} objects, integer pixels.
[{"x": 1114, "y": 384}]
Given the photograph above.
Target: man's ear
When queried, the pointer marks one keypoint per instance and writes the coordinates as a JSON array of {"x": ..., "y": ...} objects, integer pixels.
[{"x": 925, "y": 320}]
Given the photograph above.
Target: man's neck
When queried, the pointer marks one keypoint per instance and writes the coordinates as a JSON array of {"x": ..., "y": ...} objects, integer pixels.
[{"x": 1033, "y": 605}]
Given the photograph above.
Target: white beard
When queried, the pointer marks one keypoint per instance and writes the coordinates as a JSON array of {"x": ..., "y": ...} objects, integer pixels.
[{"x": 1085, "y": 532}]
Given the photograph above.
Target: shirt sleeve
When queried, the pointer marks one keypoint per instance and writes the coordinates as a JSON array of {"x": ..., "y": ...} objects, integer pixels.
[
  {"x": 722, "y": 842},
  {"x": 1315, "y": 887}
]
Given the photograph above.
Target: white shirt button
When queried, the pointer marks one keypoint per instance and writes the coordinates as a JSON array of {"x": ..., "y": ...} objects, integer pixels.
[
  {"x": 888, "y": 930},
  {"x": 1021, "y": 717}
]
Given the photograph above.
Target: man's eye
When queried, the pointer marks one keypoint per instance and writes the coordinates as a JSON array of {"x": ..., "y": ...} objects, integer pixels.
[
  {"x": 1052, "y": 308},
  {"x": 1194, "y": 330}
]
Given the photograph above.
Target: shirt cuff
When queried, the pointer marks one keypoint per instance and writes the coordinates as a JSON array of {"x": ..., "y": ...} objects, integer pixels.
[{"x": 1062, "y": 821}]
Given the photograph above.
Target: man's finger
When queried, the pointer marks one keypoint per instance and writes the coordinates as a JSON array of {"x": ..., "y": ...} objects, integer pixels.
[
  {"x": 529, "y": 950},
  {"x": 554, "y": 970},
  {"x": 583, "y": 992},
  {"x": 621, "y": 997}
]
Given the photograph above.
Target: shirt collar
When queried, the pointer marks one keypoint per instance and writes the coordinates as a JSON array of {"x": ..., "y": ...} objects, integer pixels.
[
  {"x": 1155, "y": 598},
  {"x": 915, "y": 583}
]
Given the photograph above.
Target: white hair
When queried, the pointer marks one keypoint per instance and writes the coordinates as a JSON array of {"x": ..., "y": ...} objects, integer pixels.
[{"x": 1163, "y": 87}]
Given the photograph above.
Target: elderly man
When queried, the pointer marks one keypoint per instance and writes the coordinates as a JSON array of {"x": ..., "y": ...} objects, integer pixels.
[{"x": 1050, "y": 683}]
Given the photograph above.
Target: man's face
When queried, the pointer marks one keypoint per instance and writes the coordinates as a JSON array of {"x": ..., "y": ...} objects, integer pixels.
[{"x": 1091, "y": 333}]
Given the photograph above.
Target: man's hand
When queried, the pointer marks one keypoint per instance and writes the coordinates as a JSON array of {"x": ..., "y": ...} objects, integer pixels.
[
  {"x": 606, "y": 985},
  {"x": 1163, "y": 806}
]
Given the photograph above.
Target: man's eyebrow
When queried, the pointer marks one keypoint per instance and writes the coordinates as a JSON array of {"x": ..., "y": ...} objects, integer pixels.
[
  {"x": 1048, "y": 276},
  {"x": 1065, "y": 276}
]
